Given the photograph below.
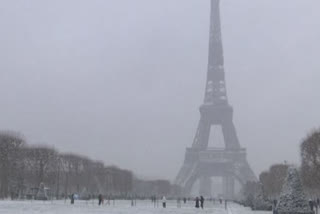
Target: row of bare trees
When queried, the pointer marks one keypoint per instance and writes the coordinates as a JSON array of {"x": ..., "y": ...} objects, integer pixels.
[
  {"x": 259, "y": 195},
  {"x": 147, "y": 188},
  {"x": 271, "y": 181},
  {"x": 23, "y": 168}
]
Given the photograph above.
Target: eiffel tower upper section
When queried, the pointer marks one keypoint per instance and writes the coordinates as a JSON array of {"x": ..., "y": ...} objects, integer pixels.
[{"x": 216, "y": 93}]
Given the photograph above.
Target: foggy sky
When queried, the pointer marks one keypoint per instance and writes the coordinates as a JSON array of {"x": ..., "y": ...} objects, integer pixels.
[{"x": 122, "y": 80}]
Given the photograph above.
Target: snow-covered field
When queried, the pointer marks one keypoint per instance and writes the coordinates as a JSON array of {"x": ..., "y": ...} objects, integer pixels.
[{"x": 120, "y": 207}]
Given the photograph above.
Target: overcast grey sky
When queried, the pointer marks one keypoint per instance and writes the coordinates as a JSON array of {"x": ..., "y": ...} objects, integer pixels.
[{"x": 121, "y": 80}]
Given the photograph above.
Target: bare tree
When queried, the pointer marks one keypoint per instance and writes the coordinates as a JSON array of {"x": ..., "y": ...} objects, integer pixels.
[
  {"x": 273, "y": 180},
  {"x": 71, "y": 167},
  {"x": 249, "y": 192},
  {"x": 310, "y": 157},
  {"x": 10, "y": 145},
  {"x": 42, "y": 163}
]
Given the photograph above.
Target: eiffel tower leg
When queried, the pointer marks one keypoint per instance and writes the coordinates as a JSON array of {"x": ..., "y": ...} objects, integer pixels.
[
  {"x": 228, "y": 184},
  {"x": 188, "y": 172},
  {"x": 201, "y": 139},
  {"x": 245, "y": 173},
  {"x": 230, "y": 135},
  {"x": 184, "y": 173},
  {"x": 191, "y": 157},
  {"x": 205, "y": 186}
]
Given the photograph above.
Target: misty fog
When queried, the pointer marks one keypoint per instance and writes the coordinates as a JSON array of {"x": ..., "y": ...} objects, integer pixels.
[{"x": 122, "y": 81}]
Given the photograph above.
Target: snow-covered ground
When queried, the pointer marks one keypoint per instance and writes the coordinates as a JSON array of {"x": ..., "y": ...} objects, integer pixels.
[{"x": 120, "y": 207}]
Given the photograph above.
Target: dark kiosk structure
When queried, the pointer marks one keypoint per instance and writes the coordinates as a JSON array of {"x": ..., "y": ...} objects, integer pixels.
[{"x": 202, "y": 162}]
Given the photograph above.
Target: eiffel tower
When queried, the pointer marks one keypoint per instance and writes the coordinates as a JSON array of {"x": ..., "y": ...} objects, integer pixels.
[{"x": 201, "y": 162}]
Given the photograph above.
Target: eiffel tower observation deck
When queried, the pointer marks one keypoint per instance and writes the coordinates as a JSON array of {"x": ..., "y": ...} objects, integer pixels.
[{"x": 201, "y": 162}]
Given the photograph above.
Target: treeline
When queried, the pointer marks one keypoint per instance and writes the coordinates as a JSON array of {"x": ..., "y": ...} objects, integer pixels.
[
  {"x": 147, "y": 188},
  {"x": 271, "y": 181},
  {"x": 23, "y": 168}
]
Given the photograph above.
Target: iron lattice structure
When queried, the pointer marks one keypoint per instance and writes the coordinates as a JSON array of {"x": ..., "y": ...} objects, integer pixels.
[{"x": 202, "y": 162}]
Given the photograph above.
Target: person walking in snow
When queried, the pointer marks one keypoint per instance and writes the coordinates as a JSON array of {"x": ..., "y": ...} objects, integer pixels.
[
  {"x": 201, "y": 201},
  {"x": 225, "y": 204},
  {"x": 164, "y": 202},
  {"x": 311, "y": 204},
  {"x": 72, "y": 198},
  {"x": 100, "y": 198},
  {"x": 197, "y": 202}
]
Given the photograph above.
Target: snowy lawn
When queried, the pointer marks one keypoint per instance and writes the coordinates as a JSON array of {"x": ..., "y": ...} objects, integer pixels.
[
  {"x": 237, "y": 209},
  {"x": 120, "y": 207}
]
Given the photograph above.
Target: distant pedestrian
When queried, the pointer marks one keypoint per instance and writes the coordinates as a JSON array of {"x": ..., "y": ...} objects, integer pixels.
[
  {"x": 164, "y": 202},
  {"x": 311, "y": 204},
  {"x": 184, "y": 200},
  {"x": 275, "y": 202},
  {"x": 197, "y": 202},
  {"x": 316, "y": 206},
  {"x": 201, "y": 201},
  {"x": 100, "y": 197},
  {"x": 72, "y": 198}
]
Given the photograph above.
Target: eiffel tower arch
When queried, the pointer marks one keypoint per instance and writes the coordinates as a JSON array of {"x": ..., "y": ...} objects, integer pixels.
[{"x": 202, "y": 162}]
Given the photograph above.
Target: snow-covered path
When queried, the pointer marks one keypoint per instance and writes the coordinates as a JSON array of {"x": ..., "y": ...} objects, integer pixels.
[
  {"x": 237, "y": 209},
  {"x": 120, "y": 207}
]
